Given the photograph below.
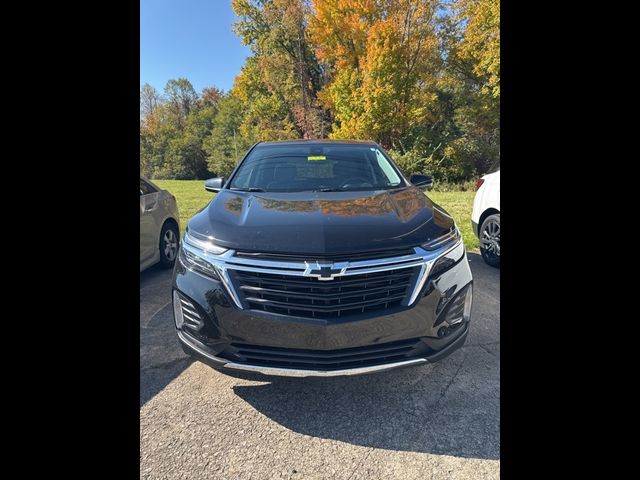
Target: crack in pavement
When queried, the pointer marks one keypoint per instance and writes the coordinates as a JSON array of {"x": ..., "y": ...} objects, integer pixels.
[
  {"x": 480, "y": 344},
  {"x": 446, "y": 389},
  {"x": 154, "y": 328},
  {"x": 434, "y": 408},
  {"x": 360, "y": 463},
  {"x": 155, "y": 313},
  {"x": 487, "y": 350}
]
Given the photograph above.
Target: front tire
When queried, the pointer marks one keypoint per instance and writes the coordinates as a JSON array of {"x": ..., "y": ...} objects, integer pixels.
[
  {"x": 490, "y": 240},
  {"x": 169, "y": 242}
]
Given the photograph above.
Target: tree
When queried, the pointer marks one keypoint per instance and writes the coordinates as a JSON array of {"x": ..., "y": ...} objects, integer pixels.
[
  {"x": 283, "y": 71},
  {"x": 186, "y": 151},
  {"x": 225, "y": 146},
  {"x": 211, "y": 96},
  {"x": 383, "y": 60},
  {"x": 477, "y": 55},
  {"x": 173, "y": 130},
  {"x": 421, "y": 77},
  {"x": 149, "y": 100},
  {"x": 181, "y": 98},
  {"x": 471, "y": 41}
]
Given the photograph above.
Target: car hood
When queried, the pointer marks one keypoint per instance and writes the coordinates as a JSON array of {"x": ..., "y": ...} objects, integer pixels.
[{"x": 321, "y": 223}]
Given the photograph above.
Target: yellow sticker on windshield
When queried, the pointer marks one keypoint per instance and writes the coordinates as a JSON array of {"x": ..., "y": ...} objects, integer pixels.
[{"x": 316, "y": 157}]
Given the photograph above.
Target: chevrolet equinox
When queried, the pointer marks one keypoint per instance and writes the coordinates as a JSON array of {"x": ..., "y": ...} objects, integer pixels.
[{"x": 319, "y": 258}]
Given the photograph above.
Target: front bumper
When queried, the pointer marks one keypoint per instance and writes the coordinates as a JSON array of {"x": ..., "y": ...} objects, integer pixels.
[
  {"x": 306, "y": 347},
  {"x": 196, "y": 350}
]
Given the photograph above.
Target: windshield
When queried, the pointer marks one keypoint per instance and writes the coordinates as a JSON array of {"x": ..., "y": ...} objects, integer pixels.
[{"x": 325, "y": 168}]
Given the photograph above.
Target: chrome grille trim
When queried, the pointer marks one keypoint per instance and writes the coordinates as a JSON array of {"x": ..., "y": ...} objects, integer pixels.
[
  {"x": 189, "y": 309},
  {"x": 186, "y": 303},
  {"x": 228, "y": 261},
  {"x": 298, "y": 268},
  {"x": 194, "y": 318},
  {"x": 190, "y": 315}
]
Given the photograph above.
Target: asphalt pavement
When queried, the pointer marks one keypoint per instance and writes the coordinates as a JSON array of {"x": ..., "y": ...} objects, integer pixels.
[{"x": 439, "y": 421}]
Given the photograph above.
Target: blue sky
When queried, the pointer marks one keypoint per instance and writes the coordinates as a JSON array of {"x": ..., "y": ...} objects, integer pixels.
[{"x": 192, "y": 39}]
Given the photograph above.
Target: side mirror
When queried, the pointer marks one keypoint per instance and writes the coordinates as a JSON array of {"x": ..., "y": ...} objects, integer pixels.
[
  {"x": 422, "y": 181},
  {"x": 214, "y": 184}
]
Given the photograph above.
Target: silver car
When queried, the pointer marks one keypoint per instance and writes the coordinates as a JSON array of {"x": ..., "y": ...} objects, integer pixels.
[{"x": 159, "y": 227}]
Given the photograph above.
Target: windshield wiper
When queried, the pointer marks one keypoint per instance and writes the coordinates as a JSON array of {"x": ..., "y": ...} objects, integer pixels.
[{"x": 251, "y": 189}]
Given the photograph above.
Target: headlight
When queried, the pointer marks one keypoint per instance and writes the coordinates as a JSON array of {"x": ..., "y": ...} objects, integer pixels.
[
  {"x": 443, "y": 253},
  {"x": 193, "y": 253},
  {"x": 452, "y": 236},
  {"x": 446, "y": 262},
  {"x": 198, "y": 264},
  {"x": 203, "y": 244}
]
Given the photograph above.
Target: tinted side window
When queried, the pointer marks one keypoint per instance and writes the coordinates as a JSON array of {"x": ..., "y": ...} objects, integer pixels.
[{"x": 145, "y": 188}]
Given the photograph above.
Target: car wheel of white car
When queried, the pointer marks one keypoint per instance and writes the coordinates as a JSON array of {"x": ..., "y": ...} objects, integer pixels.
[
  {"x": 169, "y": 242},
  {"x": 490, "y": 240}
]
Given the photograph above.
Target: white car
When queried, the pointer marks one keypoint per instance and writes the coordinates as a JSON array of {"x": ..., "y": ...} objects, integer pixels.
[{"x": 485, "y": 217}]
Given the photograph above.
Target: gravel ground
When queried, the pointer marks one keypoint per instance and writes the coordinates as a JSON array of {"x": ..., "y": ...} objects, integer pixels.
[{"x": 432, "y": 421}]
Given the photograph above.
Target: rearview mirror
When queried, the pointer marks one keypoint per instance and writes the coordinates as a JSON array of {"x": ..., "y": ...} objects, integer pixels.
[
  {"x": 214, "y": 184},
  {"x": 422, "y": 181}
]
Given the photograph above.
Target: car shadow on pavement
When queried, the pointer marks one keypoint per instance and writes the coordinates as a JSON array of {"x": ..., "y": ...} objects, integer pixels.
[
  {"x": 161, "y": 357},
  {"x": 451, "y": 407}
]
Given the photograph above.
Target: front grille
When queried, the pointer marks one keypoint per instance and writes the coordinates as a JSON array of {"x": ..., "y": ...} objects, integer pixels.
[
  {"x": 352, "y": 257},
  {"x": 324, "y": 359},
  {"x": 313, "y": 298}
]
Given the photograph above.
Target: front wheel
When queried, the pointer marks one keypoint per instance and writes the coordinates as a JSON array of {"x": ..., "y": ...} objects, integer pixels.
[
  {"x": 169, "y": 243},
  {"x": 490, "y": 240}
]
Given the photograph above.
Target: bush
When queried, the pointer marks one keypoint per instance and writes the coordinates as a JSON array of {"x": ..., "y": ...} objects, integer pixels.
[
  {"x": 442, "y": 165},
  {"x": 466, "y": 186}
]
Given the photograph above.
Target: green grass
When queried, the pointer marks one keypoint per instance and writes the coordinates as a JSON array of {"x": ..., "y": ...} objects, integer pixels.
[
  {"x": 190, "y": 194},
  {"x": 192, "y": 197},
  {"x": 459, "y": 206}
]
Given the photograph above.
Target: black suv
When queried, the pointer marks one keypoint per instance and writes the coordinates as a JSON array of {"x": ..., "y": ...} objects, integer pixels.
[{"x": 318, "y": 258}]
